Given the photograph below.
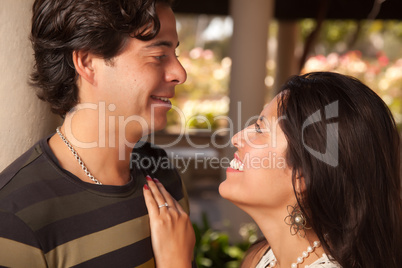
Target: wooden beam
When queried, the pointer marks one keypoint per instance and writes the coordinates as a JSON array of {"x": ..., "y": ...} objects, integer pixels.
[
  {"x": 338, "y": 9},
  {"x": 299, "y": 9},
  {"x": 210, "y": 7}
]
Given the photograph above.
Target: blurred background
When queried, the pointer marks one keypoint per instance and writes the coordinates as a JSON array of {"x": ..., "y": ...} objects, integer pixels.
[
  {"x": 237, "y": 54},
  {"x": 358, "y": 38}
]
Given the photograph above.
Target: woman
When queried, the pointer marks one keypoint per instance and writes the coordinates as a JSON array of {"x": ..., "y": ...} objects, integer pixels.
[{"x": 332, "y": 197}]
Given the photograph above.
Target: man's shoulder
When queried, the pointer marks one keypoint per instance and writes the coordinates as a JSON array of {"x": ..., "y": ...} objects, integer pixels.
[{"x": 23, "y": 162}]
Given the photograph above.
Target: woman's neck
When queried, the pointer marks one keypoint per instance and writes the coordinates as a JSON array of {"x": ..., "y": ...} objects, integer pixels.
[{"x": 286, "y": 247}]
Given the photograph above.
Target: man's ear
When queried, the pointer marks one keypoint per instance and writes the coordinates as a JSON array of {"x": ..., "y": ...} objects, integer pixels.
[{"x": 83, "y": 65}]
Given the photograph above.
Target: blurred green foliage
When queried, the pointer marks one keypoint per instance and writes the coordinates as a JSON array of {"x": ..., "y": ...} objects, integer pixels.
[
  {"x": 213, "y": 248},
  {"x": 370, "y": 50},
  {"x": 380, "y": 74}
]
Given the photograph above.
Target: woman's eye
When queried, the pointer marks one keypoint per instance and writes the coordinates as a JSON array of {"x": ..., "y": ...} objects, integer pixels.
[{"x": 257, "y": 128}]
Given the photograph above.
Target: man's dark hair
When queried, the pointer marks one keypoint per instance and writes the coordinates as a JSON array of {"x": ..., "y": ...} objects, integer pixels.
[{"x": 60, "y": 27}]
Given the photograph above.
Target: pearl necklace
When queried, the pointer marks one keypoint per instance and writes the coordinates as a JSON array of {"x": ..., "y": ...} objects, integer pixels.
[
  {"x": 305, "y": 255},
  {"x": 77, "y": 157}
]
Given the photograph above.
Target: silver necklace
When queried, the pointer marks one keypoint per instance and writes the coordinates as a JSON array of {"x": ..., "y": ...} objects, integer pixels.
[
  {"x": 306, "y": 254},
  {"x": 77, "y": 157}
]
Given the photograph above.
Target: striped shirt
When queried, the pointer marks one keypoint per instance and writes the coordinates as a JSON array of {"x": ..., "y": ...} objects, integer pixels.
[{"x": 50, "y": 218}]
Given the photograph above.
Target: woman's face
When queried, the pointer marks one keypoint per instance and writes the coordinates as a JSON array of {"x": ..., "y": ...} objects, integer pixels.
[{"x": 259, "y": 175}]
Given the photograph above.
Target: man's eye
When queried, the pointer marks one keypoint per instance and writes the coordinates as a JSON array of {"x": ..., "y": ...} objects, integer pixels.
[
  {"x": 257, "y": 128},
  {"x": 161, "y": 57}
]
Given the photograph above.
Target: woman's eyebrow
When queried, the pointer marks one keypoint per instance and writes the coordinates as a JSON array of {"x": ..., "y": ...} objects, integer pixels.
[
  {"x": 264, "y": 123},
  {"x": 261, "y": 119}
]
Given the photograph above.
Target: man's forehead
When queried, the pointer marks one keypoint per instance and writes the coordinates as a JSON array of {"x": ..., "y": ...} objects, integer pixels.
[{"x": 162, "y": 43}]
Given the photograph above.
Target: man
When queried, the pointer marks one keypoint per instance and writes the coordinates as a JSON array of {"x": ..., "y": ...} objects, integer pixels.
[{"x": 109, "y": 68}]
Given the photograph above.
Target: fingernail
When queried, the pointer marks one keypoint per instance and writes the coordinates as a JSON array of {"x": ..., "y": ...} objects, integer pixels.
[
  {"x": 146, "y": 187},
  {"x": 156, "y": 180},
  {"x": 148, "y": 178}
]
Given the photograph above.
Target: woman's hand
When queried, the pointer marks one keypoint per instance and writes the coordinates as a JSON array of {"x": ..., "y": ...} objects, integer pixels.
[{"x": 172, "y": 233}]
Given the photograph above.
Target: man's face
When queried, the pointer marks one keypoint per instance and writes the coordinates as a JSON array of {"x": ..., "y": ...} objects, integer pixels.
[{"x": 137, "y": 85}]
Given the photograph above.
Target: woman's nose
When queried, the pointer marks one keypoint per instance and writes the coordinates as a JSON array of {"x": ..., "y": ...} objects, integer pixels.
[{"x": 236, "y": 139}]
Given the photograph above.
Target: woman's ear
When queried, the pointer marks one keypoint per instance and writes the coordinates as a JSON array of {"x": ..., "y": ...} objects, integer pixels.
[
  {"x": 300, "y": 186},
  {"x": 83, "y": 65}
]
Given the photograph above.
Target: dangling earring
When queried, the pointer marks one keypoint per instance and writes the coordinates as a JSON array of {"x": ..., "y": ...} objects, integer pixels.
[{"x": 296, "y": 220}]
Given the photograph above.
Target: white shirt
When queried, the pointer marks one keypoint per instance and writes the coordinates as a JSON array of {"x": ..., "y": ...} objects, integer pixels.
[{"x": 322, "y": 262}]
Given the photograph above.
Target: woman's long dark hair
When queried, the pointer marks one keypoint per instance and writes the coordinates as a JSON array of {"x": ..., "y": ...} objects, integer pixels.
[{"x": 343, "y": 141}]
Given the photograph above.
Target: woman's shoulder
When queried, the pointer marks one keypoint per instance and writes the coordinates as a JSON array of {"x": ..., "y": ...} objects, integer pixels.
[
  {"x": 266, "y": 257},
  {"x": 255, "y": 253},
  {"x": 324, "y": 262}
]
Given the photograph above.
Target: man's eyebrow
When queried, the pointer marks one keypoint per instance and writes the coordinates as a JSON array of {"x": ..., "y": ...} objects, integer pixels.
[{"x": 162, "y": 43}]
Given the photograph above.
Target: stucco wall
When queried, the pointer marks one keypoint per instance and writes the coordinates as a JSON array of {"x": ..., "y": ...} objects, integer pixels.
[{"x": 23, "y": 118}]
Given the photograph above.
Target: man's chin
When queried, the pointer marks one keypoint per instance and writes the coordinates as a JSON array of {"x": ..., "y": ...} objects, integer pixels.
[{"x": 158, "y": 125}]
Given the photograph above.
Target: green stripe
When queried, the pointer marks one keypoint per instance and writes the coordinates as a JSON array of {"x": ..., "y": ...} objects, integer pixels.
[
  {"x": 28, "y": 176},
  {"x": 185, "y": 205},
  {"x": 148, "y": 264},
  {"x": 16, "y": 254},
  {"x": 79, "y": 203},
  {"x": 96, "y": 244},
  {"x": 36, "y": 152},
  {"x": 75, "y": 207}
]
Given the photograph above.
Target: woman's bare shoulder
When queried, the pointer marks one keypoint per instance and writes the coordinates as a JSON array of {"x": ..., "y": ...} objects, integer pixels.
[{"x": 255, "y": 253}]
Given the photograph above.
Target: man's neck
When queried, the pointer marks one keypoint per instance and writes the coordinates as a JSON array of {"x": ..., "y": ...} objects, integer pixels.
[{"x": 105, "y": 155}]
